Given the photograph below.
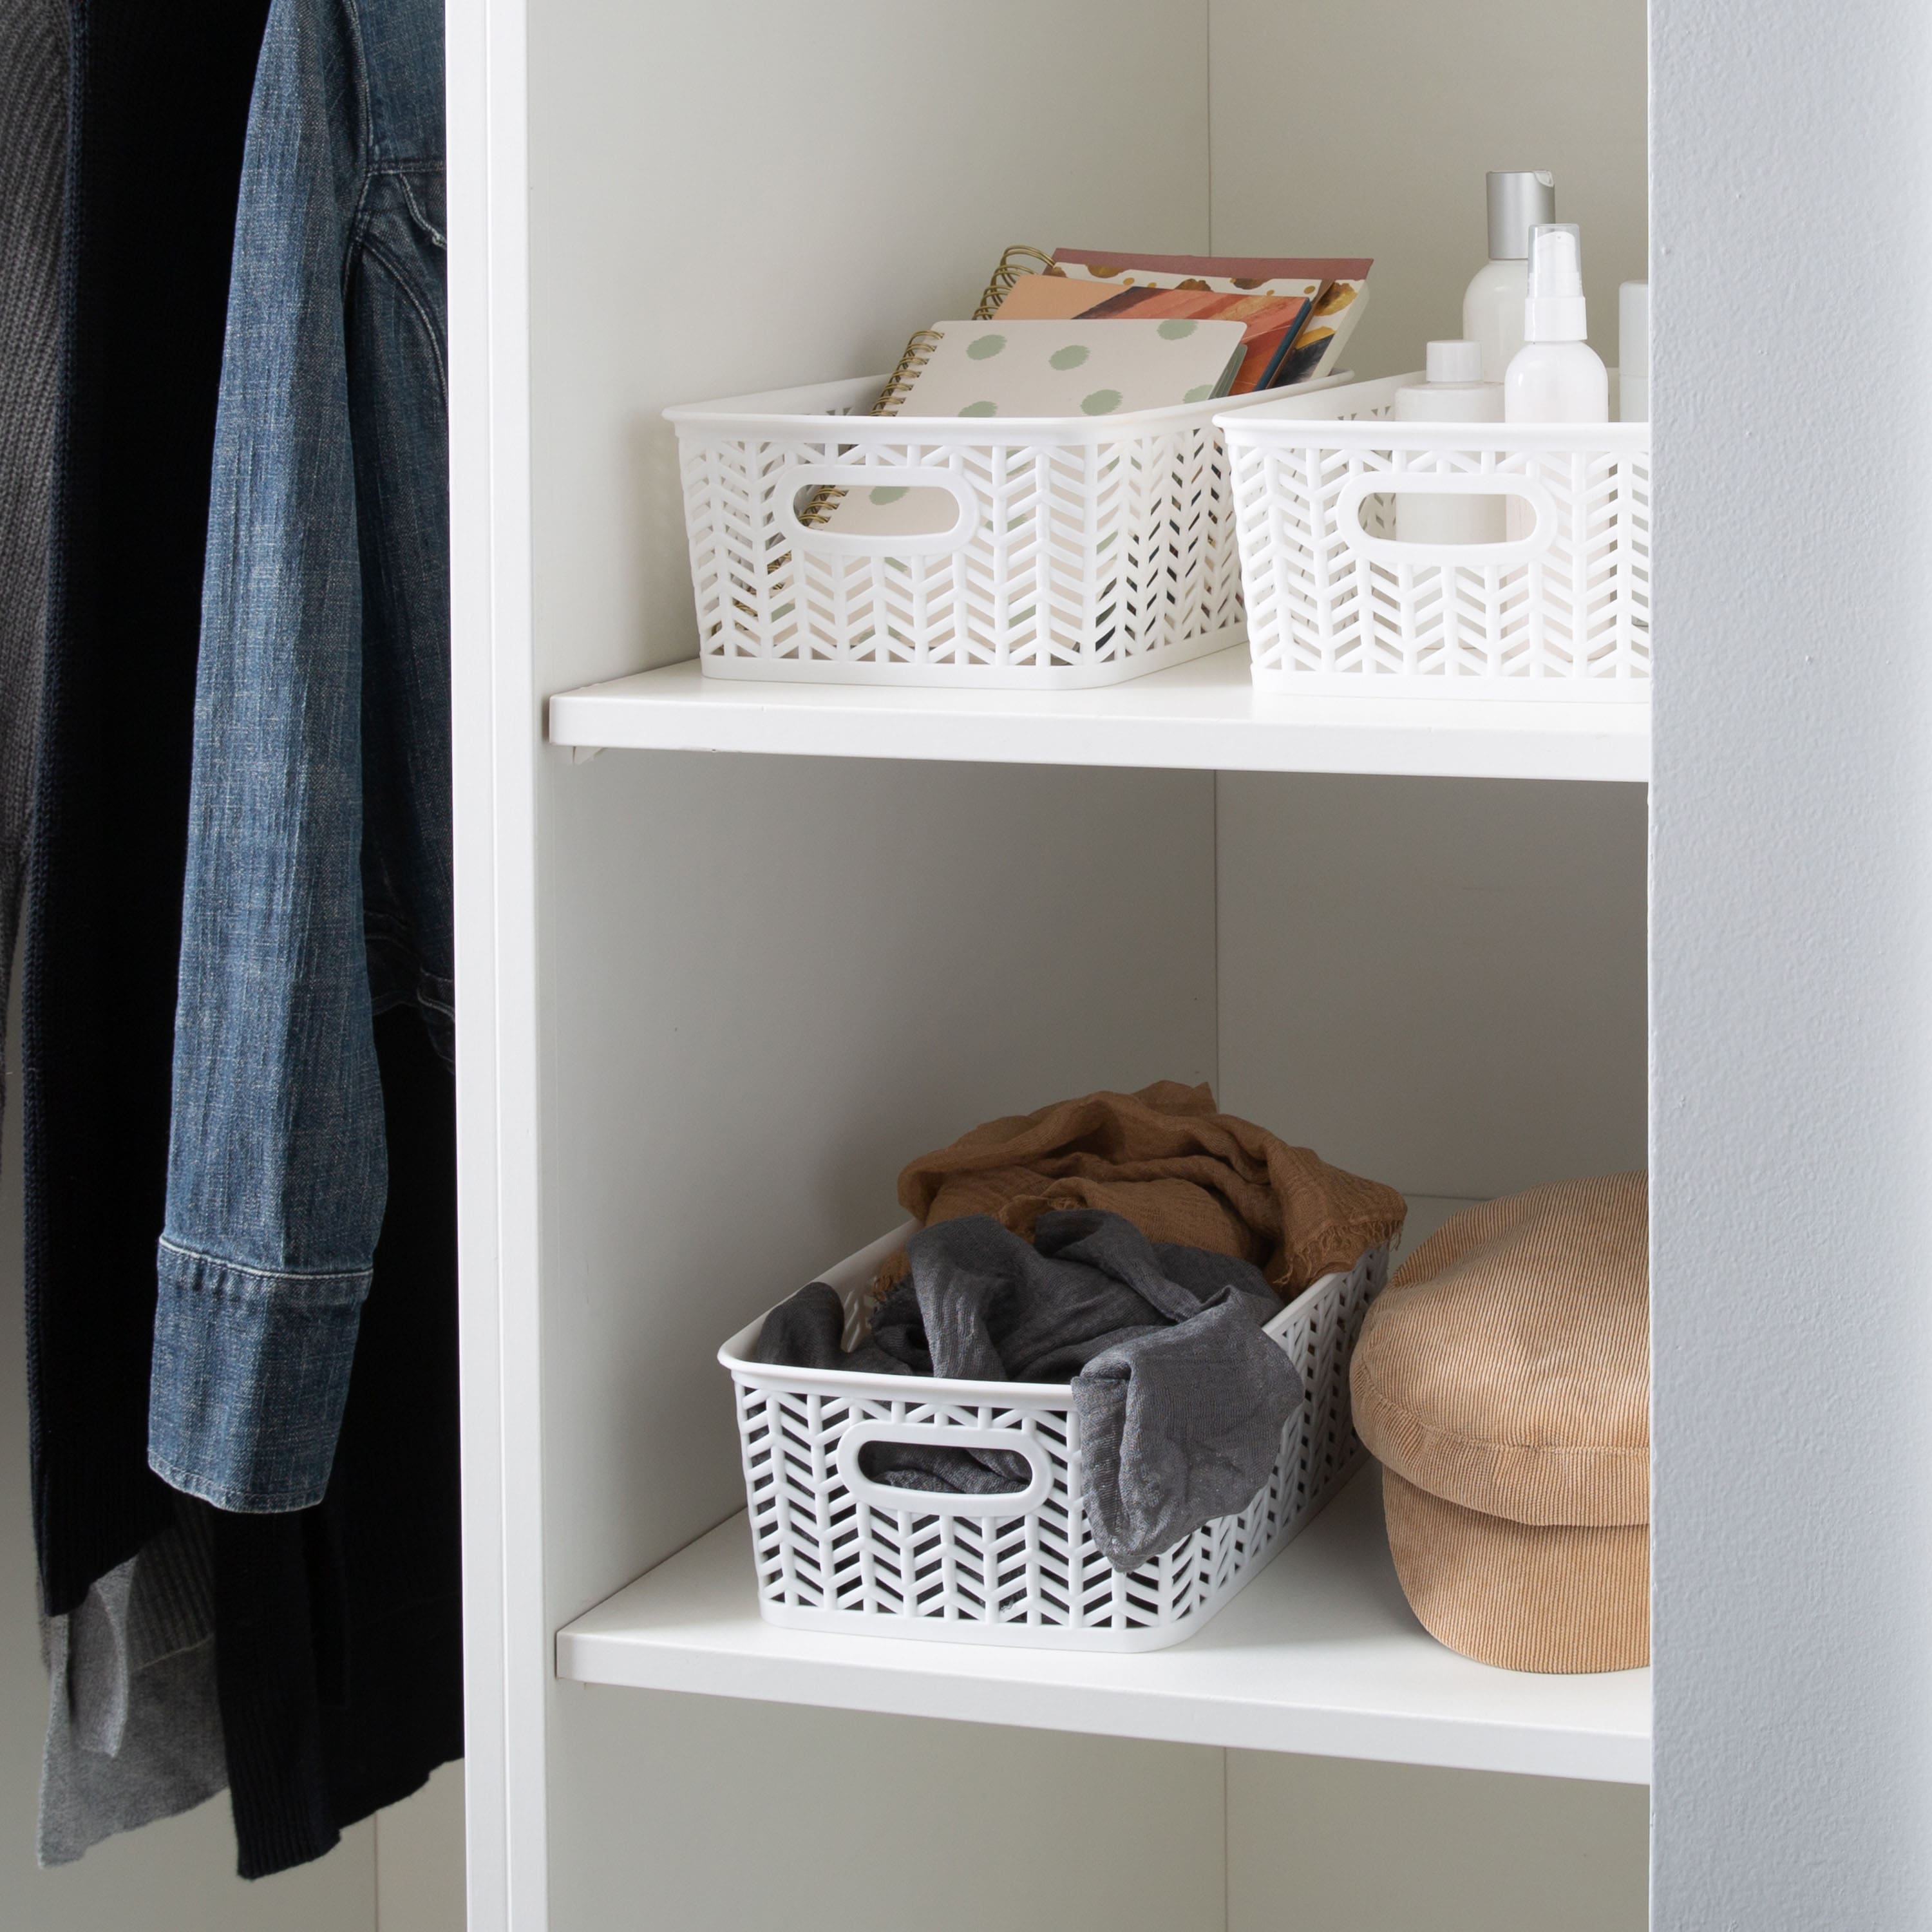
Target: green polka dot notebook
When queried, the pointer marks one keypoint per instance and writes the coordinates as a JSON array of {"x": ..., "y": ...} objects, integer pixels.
[{"x": 1074, "y": 368}]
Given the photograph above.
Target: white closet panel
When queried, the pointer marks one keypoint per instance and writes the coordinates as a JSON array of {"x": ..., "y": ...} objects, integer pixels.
[
  {"x": 1404, "y": 1846},
  {"x": 722, "y": 1816},
  {"x": 1792, "y": 972},
  {"x": 1438, "y": 982},
  {"x": 759, "y": 990},
  {"x": 1367, "y": 129},
  {"x": 710, "y": 1004}
]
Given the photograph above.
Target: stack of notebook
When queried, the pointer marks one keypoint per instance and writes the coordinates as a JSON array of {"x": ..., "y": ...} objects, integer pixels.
[
  {"x": 1298, "y": 314},
  {"x": 1098, "y": 335}
]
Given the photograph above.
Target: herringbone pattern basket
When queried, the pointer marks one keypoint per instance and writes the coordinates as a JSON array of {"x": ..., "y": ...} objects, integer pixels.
[
  {"x": 1335, "y": 603},
  {"x": 1087, "y": 551},
  {"x": 837, "y": 1551}
]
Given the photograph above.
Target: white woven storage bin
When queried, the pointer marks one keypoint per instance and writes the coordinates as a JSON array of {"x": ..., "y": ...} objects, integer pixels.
[
  {"x": 1088, "y": 550},
  {"x": 837, "y": 1551},
  {"x": 1336, "y": 604}
]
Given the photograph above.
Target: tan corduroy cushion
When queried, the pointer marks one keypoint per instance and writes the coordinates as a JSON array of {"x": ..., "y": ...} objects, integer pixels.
[
  {"x": 1502, "y": 1379},
  {"x": 1527, "y": 1597}
]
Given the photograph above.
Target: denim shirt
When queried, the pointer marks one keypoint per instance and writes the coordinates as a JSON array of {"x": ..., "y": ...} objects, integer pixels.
[{"x": 318, "y": 870}]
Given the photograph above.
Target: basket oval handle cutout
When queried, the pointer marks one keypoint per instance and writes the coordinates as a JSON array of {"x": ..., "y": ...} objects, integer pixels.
[
  {"x": 911, "y": 501},
  {"x": 937, "y": 1435},
  {"x": 1353, "y": 497}
]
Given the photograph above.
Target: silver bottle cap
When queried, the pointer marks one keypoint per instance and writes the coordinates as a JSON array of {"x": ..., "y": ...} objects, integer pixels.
[{"x": 1518, "y": 202}]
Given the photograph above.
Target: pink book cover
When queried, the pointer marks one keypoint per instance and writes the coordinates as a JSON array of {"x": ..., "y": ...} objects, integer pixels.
[
  {"x": 1098, "y": 265},
  {"x": 1053, "y": 298},
  {"x": 1272, "y": 322}
]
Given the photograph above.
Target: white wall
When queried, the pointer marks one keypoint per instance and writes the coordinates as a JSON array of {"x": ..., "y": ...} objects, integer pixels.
[
  {"x": 1438, "y": 982},
  {"x": 1792, "y": 973},
  {"x": 1366, "y": 128},
  {"x": 1336, "y": 1845}
]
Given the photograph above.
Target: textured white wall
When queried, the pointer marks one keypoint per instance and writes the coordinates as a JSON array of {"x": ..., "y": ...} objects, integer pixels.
[{"x": 1791, "y": 980}]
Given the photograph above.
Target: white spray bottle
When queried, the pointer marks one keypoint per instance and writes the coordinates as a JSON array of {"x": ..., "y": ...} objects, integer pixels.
[{"x": 1555, "y": 376}]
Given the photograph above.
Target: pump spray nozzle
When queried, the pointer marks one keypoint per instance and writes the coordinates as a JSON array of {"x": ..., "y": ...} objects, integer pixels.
[{"x": 1554, "y": 311}]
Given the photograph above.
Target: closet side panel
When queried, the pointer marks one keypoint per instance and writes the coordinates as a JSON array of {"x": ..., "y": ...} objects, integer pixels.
[
  {"x": 1367, "y": 129},
  {"x": 1792, "y": 976},
  {"x": 762, "y": 985}
]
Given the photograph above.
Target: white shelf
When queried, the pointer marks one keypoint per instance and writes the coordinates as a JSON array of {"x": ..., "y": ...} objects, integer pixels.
[
  {"x": 1320, "y": 1653},
  {"x": 1204, "y": 716}
]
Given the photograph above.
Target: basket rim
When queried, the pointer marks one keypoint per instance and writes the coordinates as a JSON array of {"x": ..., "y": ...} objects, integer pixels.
[
  {"x": 933, "y": 1390},
  {"x": 765, "y": 409},
  {"x": 1285, "y": 415}
]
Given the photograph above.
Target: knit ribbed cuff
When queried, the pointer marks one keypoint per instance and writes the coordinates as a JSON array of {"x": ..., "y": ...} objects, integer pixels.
[{"x": 251, "y": 1374}]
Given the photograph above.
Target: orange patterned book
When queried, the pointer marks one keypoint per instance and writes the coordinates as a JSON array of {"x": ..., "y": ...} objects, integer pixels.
[{"x": 1272, "y": 323}]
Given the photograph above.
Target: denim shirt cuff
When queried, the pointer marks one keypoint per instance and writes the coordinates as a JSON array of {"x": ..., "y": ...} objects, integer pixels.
[{"x": 251, "y": 1374}]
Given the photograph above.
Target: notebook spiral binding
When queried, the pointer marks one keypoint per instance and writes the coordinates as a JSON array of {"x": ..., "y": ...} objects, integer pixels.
[
  {"x": 898, "y": 386},
  {"x": 1018, "y": 260}
]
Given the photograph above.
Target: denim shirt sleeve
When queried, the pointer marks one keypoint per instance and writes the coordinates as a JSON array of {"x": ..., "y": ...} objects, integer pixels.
[{"x": 277, "y": 1165}]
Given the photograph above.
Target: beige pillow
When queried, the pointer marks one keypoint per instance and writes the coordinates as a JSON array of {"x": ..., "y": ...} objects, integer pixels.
[{"x": 1503, "y": 1379}]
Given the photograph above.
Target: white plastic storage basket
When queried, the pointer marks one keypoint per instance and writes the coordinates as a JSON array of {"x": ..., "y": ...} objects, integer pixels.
[
  {"x": 837, "y": 1551},
  {"x": 1086, "y": 551},
  {"x": 1336, "y": 604}
]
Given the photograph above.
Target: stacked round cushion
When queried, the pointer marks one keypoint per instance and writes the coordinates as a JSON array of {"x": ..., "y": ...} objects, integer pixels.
[{"x": 1502, "y": 1379}]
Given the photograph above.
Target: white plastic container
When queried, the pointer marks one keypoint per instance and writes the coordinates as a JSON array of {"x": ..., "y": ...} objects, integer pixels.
[
  {"x": 836, "y": 1551},
  {"x": 1454, "y": 391},
  {"x": 1337, "y": 604},
  {"x": 1088, "y": 550},
  {"x": 1493, "y": 303},
  {"x": 1555, "y": 376},
  {"x": 1633, "y": 351}
]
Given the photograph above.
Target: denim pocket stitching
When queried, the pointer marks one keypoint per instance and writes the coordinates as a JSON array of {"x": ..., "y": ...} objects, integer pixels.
[
  {"x": 371, "y": 250},
  {"x": 402, "y": 177}
]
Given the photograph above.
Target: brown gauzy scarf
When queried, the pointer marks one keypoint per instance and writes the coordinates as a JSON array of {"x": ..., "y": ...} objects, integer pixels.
[{"x": 1180, "y": 1171}]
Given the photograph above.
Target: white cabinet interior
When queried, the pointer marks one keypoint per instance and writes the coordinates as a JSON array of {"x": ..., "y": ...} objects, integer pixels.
[{"x": 711, "y": 1003}]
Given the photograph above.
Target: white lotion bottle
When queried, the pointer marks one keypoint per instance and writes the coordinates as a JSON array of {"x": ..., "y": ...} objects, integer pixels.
[
  {"x": 1492, "y": 304},
  {"x": 1455, "y": 391},
  {"x": 1555, "y": 376},
  {"x": 1634, "y": 352}
]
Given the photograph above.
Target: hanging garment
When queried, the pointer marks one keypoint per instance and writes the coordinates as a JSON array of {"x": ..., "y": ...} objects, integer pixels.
[
  {"x": 159, "y": 105},
  {"x": 1179, "y": 1170},
  {"x": 341, "y": 1628},
  {"x": 154, "y": 122},
  {"x": 133, "y": 1716},
  {"x": 1180, "y": 1398},
  {"x": 33, "y": 177},
  {"x": 319, "y": 889}
]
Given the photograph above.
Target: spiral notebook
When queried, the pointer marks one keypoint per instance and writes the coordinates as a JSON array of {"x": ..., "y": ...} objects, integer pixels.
[{"x": 1037, "y": 368}]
